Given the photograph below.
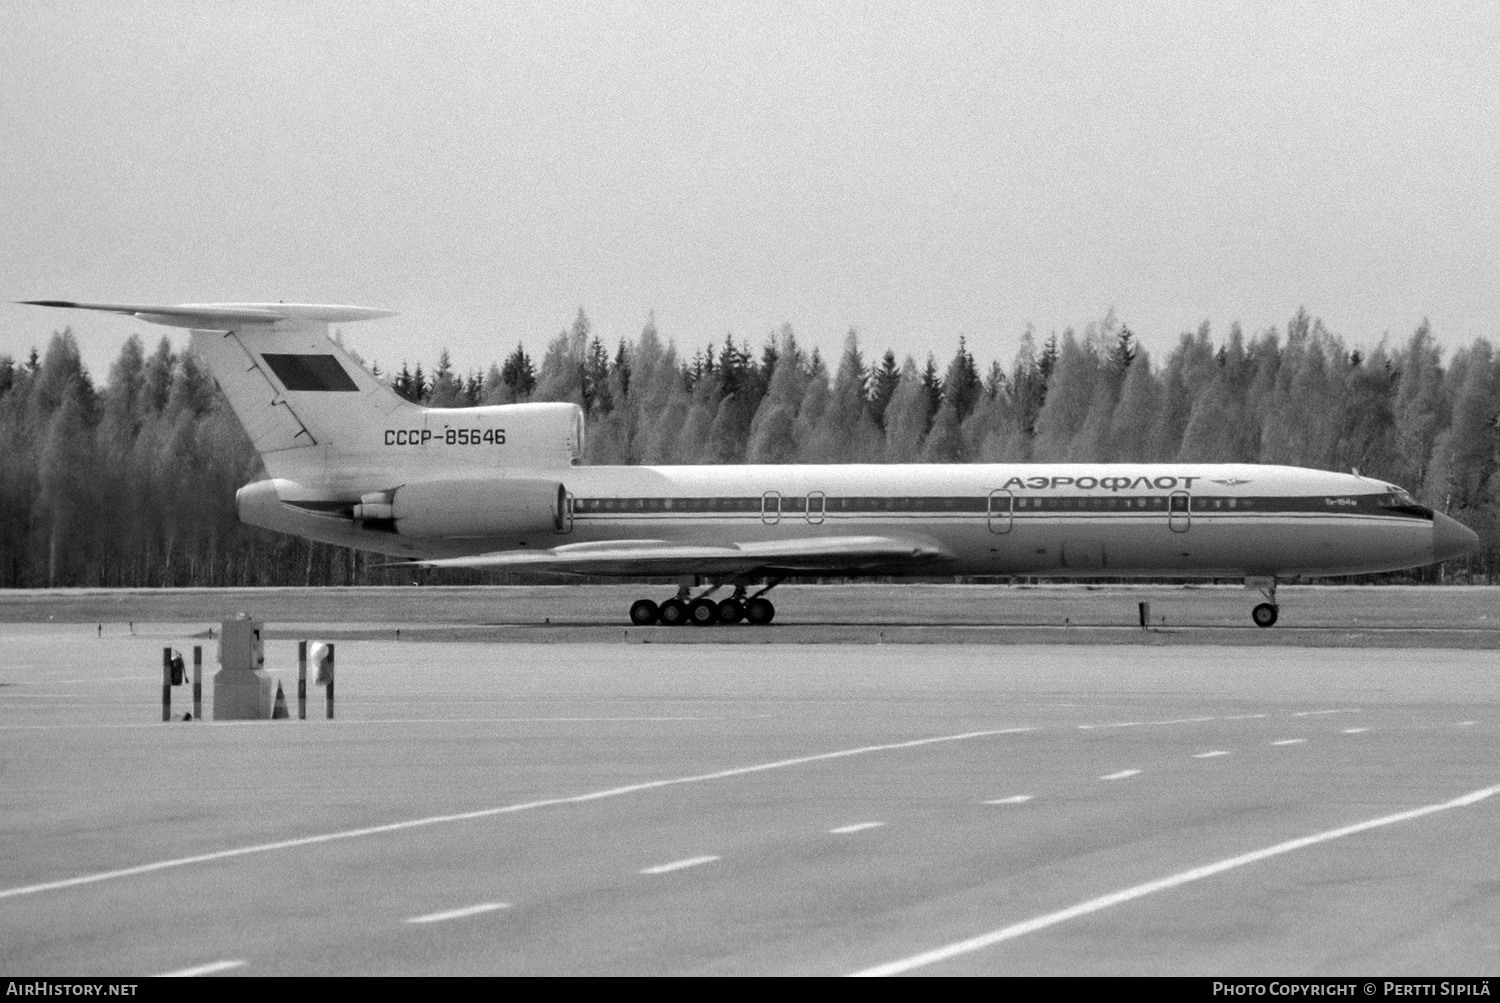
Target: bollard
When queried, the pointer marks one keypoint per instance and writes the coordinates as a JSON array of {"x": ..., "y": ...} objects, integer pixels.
[
  {"x": 166, "y": 684},
  {"x": 330, "y": 681},
  {"x": 197, "y": 682},
  {"x": 1145, "y": 615},
  {"x": 301, "y": 680}
]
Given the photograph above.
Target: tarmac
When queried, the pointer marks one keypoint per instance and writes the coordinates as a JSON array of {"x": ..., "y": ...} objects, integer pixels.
[{"x": 847, "y": 807}]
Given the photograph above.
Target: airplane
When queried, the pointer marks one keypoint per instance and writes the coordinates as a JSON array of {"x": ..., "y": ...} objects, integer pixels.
[{"x": 349, "y": 462}]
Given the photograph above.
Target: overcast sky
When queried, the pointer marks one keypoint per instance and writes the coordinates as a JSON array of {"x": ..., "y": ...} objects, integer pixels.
[{"x": 915, "y": 171}]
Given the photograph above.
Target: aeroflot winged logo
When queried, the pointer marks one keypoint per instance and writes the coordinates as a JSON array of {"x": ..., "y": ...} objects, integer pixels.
[
  {"x": 1165, "y": 483},
  {"x": 1231, "y": 481}
]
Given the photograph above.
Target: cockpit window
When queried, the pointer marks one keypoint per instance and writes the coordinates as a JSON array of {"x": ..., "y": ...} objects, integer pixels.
[{"x": 1397, "y": 498}]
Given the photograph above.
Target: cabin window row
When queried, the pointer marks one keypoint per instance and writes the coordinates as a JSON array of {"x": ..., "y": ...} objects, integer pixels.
[{"x": 792, "y": 504}]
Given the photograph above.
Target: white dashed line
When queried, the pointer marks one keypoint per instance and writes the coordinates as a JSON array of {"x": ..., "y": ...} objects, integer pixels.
[
  {"x": 1162, "y": 884},
  {"x": 1465, "y": 724},
  {"x": 1119, "y": 776},
  {"x": 845, "y": 830},
  {"x": 1244, "y": 717},
  {"x": 431, "y": 820},
  {"x": 677, "y": 865},
  {"x": 1209, "y": 755},
  {"x": 466, "y": 911},
  {"x": 208, "y": 969},
  {"x": 1354, "y": 731},
  {"x": 1015, "y": 799},
  {"x": 1187, "y": 720},
  {"x": 1337, "y": 710},
  {"x": 1290, "y": 741}
]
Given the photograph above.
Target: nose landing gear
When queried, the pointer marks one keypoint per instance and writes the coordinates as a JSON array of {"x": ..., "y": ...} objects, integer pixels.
[
  {"x": 1264, "y": 614},
  {"x": 701, "y": 611}
]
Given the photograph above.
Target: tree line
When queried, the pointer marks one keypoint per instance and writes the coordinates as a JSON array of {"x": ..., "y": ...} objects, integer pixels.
[{"x": 131, "y": 483}]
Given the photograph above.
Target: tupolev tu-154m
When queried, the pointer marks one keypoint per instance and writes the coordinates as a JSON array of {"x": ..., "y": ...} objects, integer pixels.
[{"x": 351, "y": 463}]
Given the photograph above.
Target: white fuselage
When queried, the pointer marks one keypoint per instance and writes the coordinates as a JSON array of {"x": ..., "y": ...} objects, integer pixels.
[{"x": 1075, "y": 520}]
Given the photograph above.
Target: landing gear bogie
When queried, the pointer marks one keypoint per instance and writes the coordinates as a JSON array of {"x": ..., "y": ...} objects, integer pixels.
[{"x": 687, "y": 609}]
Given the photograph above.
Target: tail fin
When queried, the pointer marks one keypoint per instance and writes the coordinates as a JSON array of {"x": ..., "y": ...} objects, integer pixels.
[{"x": 313, "y": 413}]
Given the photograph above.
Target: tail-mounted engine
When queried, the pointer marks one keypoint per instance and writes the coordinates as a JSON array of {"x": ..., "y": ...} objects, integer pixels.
[{"x": 475, "y": 509}]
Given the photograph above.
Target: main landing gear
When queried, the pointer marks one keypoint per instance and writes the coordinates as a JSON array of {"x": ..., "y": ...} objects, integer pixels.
[
  {"x": 1264, "y": 614},
  {"x": 685, "y": 609}
]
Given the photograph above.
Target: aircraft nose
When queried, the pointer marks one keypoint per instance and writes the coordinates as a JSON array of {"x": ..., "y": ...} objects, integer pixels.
[{"x": 1451, "y": 538}]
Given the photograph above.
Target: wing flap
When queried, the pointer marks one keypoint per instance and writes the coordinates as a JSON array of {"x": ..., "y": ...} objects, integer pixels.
[{"x": 660, "y": 557}]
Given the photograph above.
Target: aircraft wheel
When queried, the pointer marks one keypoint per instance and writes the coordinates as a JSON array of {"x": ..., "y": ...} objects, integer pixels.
[
  {"x": 673, "y": 613},
  {"x": 1264, "y": 615},
  {"x": 704, "y": 613},
  {"x": 731, "y": 611},
  {"x": 760, "y": 611},
  {"x": 643, "y": 612}
]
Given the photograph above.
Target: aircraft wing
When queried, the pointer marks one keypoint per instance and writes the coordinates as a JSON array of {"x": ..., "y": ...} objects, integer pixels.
[{"x": 810, "y": 555}]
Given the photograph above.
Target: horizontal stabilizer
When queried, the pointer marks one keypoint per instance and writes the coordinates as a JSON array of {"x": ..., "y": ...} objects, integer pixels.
[
  {"x": 658, "y": 557},
  {"x": 218, "y": 316}
]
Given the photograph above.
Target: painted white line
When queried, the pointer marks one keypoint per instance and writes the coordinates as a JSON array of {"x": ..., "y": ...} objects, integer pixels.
[
  {"x": 1119, "y": 776},
  {"x": 1160, "y": 885},
  {"x": 1125, "y": 724},
  {"x": 1188, "y": 720},
  {"x": 1465, "y": 724},
  {"x": 1209, "y": 755},
  {"x": 1337, "y": 710},
  {"x": 418, "y": 823},
  {"x": 844, "y": 830},
  {"x": 678, "y": 865},
  {"x": 1016, "y": 799},
  {"x": 1290, "y": 741},
  {"x": 473, "y": 910},
  {"x": 1245, "y": 717},
  {"x": 209, "y": 969},
  {"x": 1354, "y": 731}
]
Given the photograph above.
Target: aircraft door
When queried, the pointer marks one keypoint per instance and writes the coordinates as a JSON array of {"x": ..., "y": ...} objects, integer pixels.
[
  {"x": 815, "y": 507},
  {"x": 1179, "y": 511},
  {"x": 770, "y": 508},
  {"x": 564, "y": 520},
  {"x": 1000, "y": 507}
]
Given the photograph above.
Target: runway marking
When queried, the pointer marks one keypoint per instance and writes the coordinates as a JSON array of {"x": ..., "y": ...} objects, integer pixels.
[
  {"x": 1465, "y": 724},
  {"x": 1160, "y": 885},
  {"x": 845, "y": 830},
  {"x": 417, "y": 823},
  {"x": 465, "y": 912},
  {"x": 1337, "y": 710},
  {"x": 1290, "y": 741},
  {"x": 1014, "y": 799},
  {"x": 208, "y": 969},
  {"x": 1354, "y": 731},
  {"x": 1244, "y": 717},
  {"x": 678, "y": 865},
  {"x": 1209, "y": 755},
  {"x": 1119, "y": 776},
  {"x": 1188, "y": 720},
  {"x": 347, "y": 723}
]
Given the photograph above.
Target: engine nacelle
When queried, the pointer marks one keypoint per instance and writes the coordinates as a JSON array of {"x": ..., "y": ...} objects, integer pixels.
[{"x": 498, "y": 507}]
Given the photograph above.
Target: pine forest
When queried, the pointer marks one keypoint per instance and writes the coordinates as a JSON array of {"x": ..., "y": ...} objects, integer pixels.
[{"x": 131, "y": 482}]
